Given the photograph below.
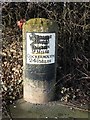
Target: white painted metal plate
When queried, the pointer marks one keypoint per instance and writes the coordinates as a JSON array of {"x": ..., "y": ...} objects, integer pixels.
[{"x": 40, "y": 48}]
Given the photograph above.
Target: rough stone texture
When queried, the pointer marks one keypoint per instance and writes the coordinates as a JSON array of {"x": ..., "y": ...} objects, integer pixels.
[
  {"x": 39, "y": 79},
  {"x": 38, "y": 91}
]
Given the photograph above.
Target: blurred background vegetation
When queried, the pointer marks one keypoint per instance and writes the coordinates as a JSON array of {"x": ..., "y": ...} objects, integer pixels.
[{"x": 73, "y": 68}]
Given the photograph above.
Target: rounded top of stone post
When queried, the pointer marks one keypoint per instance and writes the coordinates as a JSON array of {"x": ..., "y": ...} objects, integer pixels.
[{"x": 40, "y": 25}]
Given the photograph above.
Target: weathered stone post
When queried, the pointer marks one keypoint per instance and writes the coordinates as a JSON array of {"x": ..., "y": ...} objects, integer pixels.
[{"x": 39, "y": 59}]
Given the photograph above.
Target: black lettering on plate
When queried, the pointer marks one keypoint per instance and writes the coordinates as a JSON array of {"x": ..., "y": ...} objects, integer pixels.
[{"x": 40, "y": 44}]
